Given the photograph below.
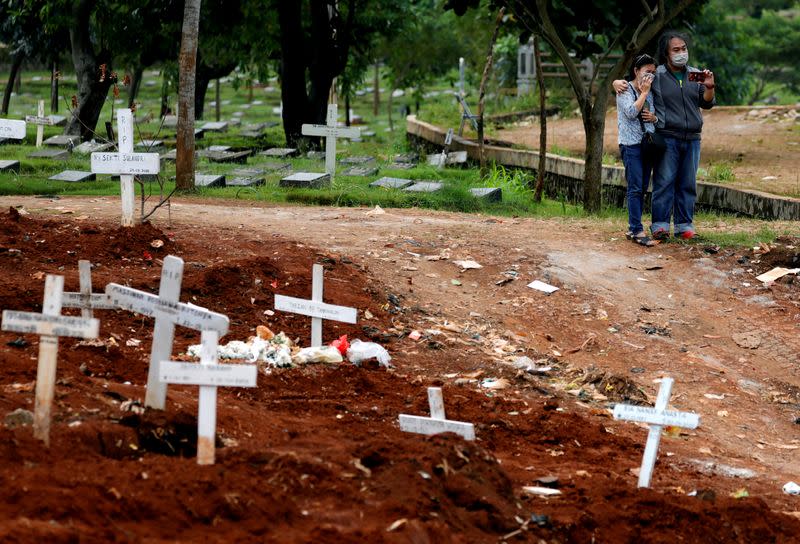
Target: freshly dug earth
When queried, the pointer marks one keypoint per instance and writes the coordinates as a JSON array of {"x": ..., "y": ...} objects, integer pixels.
[{"x": 314, "y": 454}]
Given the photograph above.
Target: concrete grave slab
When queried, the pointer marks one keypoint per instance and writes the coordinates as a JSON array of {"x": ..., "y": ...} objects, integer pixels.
[
  {"x": 170, "y": 121},
  {"x": 261, "y": 169},
  {"x": 306, "y": 180},
  {"x": 392, "y": 183},
  {"x": 209, "y": 180},
  {"x": 227, "y": 156},
  {"x": 454, "y": 157},
  {"x": 52, "y": 154},
  {"x": 92, "y": 147},
  {"x": 361, "y": 171},
  {"x": 316, "y": 155},
  {"x": 9, "y": 166},
  {"x": 62, "y": 140},
  {"x": 489, "y": 194},
  {"x": 219, "y": 148},
  {"x": 219, "y": 126},
  {"x": 74, "y": 176},
  {"x": 245, "y": 181},
  {"x": 425, "y": 187},
  {"x": 280, "y": 152},
  {"x": 367, "y": 133},
  {"x": 361, "y": 159}
]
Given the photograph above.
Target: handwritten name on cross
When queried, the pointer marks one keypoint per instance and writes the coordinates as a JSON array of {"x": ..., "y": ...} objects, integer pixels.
[
  {"x": 315, "y": 308},
  {"x": 40, "y": 121},
  {"x": 126, "y": 163},
  {"x": 49, "y": 325},
  {"x": 437, "y": 423},
  {"x": 208, "y": 375},
  {"x": 331, "y": 131},
  {"x": 85, "y": 299},
  {"x": 656, "y": 418},
  {"x": 168, "y": 313}
]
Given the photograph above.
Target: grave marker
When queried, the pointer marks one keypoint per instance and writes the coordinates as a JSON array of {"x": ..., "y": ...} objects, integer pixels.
[
  {"x": 315, "y": 308},
  {"x": 63, "y": 140},
  {"x": 85, "y": 299},
  {"x": 52, "y": 154},
  {"x": 87, "y": 148},
  {"x": 216, "y": 126},
  {"x": 40, "y": 121},
  {"x": 425, "y": 187},
  {"x": 489, "y": 194},
  {"x": 361, "y": 171},
  {"x": 168, "y": 312},
  {"x": 656, "y": 418},
  {"x": 126, "y": 163},
  {"x": 12, "y": 129},
  {"x": 208, "y": 375},
  {"x": 209, "y": 180},
  {"x": 306, "y": 179},
  {"x": 281, "y": 152},
  {"x": 73, "y": 176},
  {"x": 9, "y": 166},
  {"x": 330, "y": 131},
  {"x": 49, "y": 325},
  {"x": 392, "y": 183},
  {"x": 437, "y": 423}
]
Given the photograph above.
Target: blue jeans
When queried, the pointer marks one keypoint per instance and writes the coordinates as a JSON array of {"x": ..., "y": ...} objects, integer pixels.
[
  {"x": 637, "y": 174},
  {"x": 675, "y": 185}
]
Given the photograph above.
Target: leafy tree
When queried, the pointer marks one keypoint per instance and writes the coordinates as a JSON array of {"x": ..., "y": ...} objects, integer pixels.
[{"x": 774, "y": 50}]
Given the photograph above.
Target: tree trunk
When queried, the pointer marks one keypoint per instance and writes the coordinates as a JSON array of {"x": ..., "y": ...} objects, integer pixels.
[
  {"x": 16, "y": 64},
  {"x": 136, "y": 85},
  {"x": 376, "y": 93},
  {"x": 389, "y": 109},
  {"x": 202, "y": 79},
  {"x": 187, "y": 61},
  {"x": 217, "y": 105},
  {"x": 482, "y": 92},
  {"x": 594, "y": 125},
  {"x": 537, "y": 56},
  {"x": 54, "y": 87},
  {"x": 347, "y": 109},
  {"x": 293, "y": 67},
  {"x": 92, "y": 91}
]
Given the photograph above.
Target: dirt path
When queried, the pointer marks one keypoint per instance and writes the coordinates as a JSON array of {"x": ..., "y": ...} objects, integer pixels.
[
  {"x": 754, "y": 147},
  {"x": 636, "y": 313}
]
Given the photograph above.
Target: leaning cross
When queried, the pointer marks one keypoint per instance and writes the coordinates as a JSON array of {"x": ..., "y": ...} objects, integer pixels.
[
  {"x": 12, "y": 129},
  {"x": 126, "y": 163},
  {"x": 656, "y": 418},
  {"x": 315, "y": 308},
  {"x": 85, "y": 299},
  {"x": 49, "y": 324},
  {"x": 331, "y": 132},
  {"x": 168, "y": 313},
  {"x": 437, "y": 423},
  {"x": 40, "y": 121},
  {"x": 208, "y": 375}
]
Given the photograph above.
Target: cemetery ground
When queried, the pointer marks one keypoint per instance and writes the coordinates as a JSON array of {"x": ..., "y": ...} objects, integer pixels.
[{"x": 314, "y": 453}]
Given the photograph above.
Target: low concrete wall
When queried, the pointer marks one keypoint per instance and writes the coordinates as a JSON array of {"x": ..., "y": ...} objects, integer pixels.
[{"x": 565, "y": 177}]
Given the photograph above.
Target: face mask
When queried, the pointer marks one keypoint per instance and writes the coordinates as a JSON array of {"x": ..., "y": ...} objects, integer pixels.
[{"x": 680, "y": 59}]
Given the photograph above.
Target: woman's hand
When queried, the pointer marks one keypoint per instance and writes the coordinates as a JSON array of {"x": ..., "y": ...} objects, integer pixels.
[{"x": 648, "y": 116}]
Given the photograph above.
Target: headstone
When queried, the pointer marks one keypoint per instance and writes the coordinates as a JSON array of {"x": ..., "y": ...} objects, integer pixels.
[
  {"x": 316, "y": 155},
  {"x": 57, "y": 120},
  {"x": 73, "y": 176},
  {"x": 360, "y": 159},
  {"x": 209, "y": 180},
  {"x": 330, "y": 131},
  {"x": 9, "y": 166},
  {"x": 170, "y": 121},
  {"x": 49, "y": 325},
  {"x": 172, "y": 155},
  {"x": 86, "y": 300},
  {"x": 392, "y": 183},
  {"x": 437, "y": 423},
  {"x": 63, "y": 140},
  {"x": 239, "y": 114},
  {"x": 217, "y": 126},
  {"x": 208, "y": 375},
  {"x": 279, "y": 152},
  {"x": 168, "y": 312},
  {"x": 425, "y": 187},
  {"x": 263, "y": 168},
  {"x": 315, "y": 308},
  {"x": 219, "y": 148},
  {"x": 87, "y": 148},
  {"x": 656, "y": 418},
  {"x": 361, "y": 171},
  {"x": 53, "y": 154},
  {"x": 454, "y": 157},
  {"x": 126, "y": 163},
  {"x": 245, "y": 181},
  {"x": 367, "y": 133},
  {"x": 306, "y": 180},
  {"x": 12, "y": 129},
  {"x": 489, "y": 194},
  {"x": 405, "y": 161},
  {"x": 199, "y": 133},
  {"x": 40, "y": 121},
  {"x": 226, "y": 156}
]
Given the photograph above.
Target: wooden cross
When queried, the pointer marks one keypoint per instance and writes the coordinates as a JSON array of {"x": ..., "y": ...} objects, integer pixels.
[
  {"x": 40, "y": 121},
  {"x": 49, "y": 325},
  {"x": 437, "y": 423},
  {"x": 126, "y": 163},
  {"x": 315, "y": 308},
  {"x": 168, "y": 313},
  {"x": 656, "y": 418},
  {"x": 208, "y": 375},
  {"x": 12, "y": 129},
  {"x": 85, "y": 299},
  {"x": 331, "y": 131}
]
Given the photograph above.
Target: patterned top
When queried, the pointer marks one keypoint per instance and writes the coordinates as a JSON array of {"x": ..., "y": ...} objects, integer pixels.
[{"x": 630, "y": 130}]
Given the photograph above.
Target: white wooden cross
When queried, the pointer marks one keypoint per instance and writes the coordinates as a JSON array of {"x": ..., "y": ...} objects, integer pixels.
[
  {"x": 40, "y": 121},
  {"x": 656, "y": 418},
  {"x": 168, "y": 313},
  {"x": 12, "y": 129},
  {"x": 85, "y": 299},
  {"x": 126, "y": 163},
  {"x": 437, "y": 423},
  {"x": 49, "y": 324},
  {"x": 208, "y": 375},
  {"x": 315, "y": 308},
  {"x": 331, "y": 131}
]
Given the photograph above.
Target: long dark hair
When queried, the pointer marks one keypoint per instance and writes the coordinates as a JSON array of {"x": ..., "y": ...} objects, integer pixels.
[
  {"x": 638, "y": 62},
  {"x": 662, "y": 49}
]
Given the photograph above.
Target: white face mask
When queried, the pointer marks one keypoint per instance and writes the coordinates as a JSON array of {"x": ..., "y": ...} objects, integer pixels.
[{"x": 680, "y": 59}]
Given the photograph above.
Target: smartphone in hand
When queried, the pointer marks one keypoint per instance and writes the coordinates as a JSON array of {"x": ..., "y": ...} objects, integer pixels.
[{"x": 699, "y": 77}]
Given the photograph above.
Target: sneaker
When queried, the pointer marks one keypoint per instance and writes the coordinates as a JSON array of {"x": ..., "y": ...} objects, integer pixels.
[
  {"x": 660, "y": 234},
  {"x": 686, "y": 235}
]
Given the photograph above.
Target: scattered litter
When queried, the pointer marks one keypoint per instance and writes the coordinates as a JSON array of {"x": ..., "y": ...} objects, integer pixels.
[
  {"x": 363, "y": 351},
  {"x": 543, "y": 287},
  {"x": 455, "y": 282},
  {"x": 740, "y": 494},
  {"x": 713, "y": 396},
  {"x": 495, "y": 383},
  {"x": 368, "y": 314},
  {"x": 791, "y": 488},
  {"x": 132, "y": 342},
  {"x": 341, "y": 344},
  {"x": 776, "y": 273},
  {"x": 273, "y": 349},
  {"x": 540, "y": 491},
  {"x": 396, "y": 525},
  {"x": 157, "y": 243},
  {"x": 414, "y": 335},
  {"x": 747, "y": 340},
  {"x": 18, "y": 418},
  {"x": 377, "y": 210},
  {"x": 468, "y": 265},
  {"x": 319, "y": 354}
]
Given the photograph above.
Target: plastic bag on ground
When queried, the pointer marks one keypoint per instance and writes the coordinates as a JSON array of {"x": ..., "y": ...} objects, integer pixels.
[
  {"x": 322, "y": 354},
  {"x": 363, "y": 351}
]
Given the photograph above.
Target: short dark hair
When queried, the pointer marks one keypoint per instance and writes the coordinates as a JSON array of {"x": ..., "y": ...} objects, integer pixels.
[
  {"x": 662, "y": 49},
  {"x": 640, "y": 60}
]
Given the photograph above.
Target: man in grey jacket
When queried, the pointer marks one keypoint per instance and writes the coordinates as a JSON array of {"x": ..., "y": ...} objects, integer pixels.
[{"x": 679, "y": 92}]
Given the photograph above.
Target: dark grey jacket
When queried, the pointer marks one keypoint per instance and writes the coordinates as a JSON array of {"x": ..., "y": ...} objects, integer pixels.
[{"x": 678, "y": 108}]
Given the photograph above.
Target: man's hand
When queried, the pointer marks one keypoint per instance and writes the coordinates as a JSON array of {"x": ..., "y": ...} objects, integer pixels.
[
  {"x": 709, "y": 81},
  {"x": 620, "y": 86}
]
